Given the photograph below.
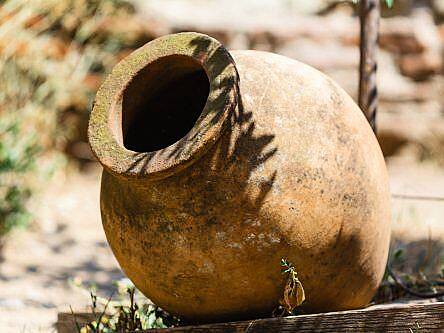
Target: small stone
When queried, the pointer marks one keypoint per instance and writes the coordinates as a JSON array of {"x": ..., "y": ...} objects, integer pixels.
[
  {"x": 11, "y": 303},
  {"x": 420, "y": 66},
  {"x": 398, "y": 35}
]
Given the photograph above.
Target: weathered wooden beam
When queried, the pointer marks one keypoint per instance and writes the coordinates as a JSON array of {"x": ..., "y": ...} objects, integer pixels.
[
  {"x": 66, "y": 321},
  {"x": 368, "y": 93},
  {"x": 383, "y": 318}
]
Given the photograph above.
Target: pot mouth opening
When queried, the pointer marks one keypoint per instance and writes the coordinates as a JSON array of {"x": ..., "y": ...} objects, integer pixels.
[
  {"x": 163, "y": 106},
  {"x": 162, "y": 103}
]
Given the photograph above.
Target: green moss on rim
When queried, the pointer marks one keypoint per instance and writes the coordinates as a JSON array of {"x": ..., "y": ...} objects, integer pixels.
[{"x": 105, "y": 120}]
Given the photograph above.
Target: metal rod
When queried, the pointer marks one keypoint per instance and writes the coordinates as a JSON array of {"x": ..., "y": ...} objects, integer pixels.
[
  {"x": 417, "y": 197},
  {"x": 368, "y": 94}
]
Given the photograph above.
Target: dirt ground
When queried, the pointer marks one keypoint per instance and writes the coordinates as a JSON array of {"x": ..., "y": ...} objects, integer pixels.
[{"x": 67, "y": 243}]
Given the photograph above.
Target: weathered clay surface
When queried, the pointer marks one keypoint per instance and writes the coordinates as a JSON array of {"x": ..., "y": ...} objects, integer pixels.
[{"x": 281, "y": 164}]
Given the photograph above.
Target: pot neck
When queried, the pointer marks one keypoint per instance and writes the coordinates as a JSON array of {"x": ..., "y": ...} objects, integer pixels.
[{"x": 163, "y": 106}]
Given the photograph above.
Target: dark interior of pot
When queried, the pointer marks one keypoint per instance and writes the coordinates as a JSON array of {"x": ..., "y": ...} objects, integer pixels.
[{"x": 162, "y": 103}]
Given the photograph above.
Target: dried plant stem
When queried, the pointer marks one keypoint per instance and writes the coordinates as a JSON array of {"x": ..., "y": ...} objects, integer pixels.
[
  {"x": 294, "y": 294},
  {"x": 409, "y": 290}
]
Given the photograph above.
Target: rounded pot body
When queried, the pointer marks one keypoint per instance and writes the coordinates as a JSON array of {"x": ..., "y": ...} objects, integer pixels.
[{"x": 281, "y": 163}]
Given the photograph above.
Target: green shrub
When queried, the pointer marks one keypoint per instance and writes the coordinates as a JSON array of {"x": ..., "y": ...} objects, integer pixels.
[
  {"x": 125, "y": 311},
  {"x": 17, "y": 156},
  {"x": 53, "y": 55}
]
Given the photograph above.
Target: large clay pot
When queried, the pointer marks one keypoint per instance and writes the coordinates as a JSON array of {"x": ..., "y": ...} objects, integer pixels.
[{"x": 218, "y": 164}]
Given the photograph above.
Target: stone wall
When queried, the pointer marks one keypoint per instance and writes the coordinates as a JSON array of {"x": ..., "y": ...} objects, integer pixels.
[{"x": 326, "y": 36}]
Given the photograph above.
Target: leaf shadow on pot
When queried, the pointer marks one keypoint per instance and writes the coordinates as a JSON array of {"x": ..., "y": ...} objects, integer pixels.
[
  {"x": 232, "y": 159},
  {"x": 238, "y": 147}
]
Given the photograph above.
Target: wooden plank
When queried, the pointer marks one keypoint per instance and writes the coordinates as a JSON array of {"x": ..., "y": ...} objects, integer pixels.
[
  {"x": 388, "y": 318},
  {"x": 66, "y": 322},
  {"x": 380, "y": 318}
]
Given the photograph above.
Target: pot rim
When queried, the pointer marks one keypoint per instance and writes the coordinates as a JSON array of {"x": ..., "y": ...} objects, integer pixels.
[{"x": 106, "y": 116}]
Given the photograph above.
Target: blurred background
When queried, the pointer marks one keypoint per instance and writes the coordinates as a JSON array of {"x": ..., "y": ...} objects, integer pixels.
[{"x": 55, "y": 53}]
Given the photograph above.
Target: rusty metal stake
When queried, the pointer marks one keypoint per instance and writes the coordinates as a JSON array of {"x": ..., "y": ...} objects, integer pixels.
[{"x": 368, "y": 94}]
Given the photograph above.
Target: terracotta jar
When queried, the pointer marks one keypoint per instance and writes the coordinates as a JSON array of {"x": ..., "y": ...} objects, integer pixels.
[{"x": 217, "y": 165}]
